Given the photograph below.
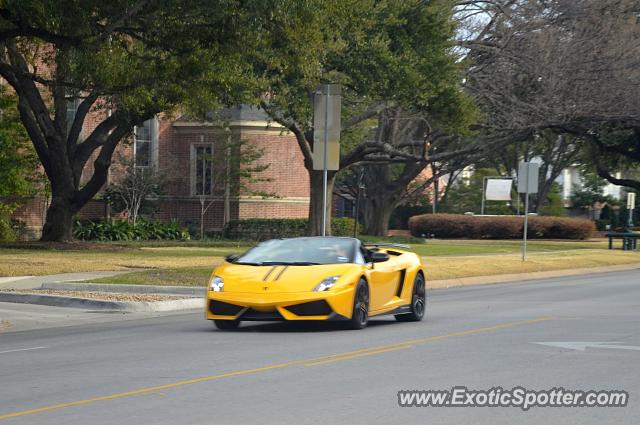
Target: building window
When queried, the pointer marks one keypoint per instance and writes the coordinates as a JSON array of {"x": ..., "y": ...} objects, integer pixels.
[
  {"x": 143, "y": 144},
  {"x": 202, "y": 170},
  {"x": 72, "y": 109}
]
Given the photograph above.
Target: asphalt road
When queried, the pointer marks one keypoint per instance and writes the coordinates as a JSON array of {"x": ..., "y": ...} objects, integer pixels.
[{"x": 178, "y": 370}]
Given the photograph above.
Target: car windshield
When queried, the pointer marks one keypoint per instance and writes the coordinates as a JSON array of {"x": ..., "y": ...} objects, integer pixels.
[{"x": 300, "y": 251}]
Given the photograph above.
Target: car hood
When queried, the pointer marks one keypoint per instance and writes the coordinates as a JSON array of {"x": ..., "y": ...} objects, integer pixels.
[{"x": 278, "y": 279}]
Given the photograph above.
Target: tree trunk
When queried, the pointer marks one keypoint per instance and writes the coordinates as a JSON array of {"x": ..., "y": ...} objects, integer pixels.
[
  {"x": 377, "y": 215},
  {"x": 315, "y": 201},
  {"x": 58, "y": 226}
]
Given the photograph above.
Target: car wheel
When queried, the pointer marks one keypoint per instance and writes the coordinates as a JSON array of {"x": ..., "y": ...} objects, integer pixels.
[
  {"x": 360, "y": 316},
  {"x": 418, "y": 302},
  {"x": 226, "y": 324}
]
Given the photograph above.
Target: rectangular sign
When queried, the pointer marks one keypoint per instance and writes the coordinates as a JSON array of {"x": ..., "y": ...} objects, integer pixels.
[
  {"x": 326, "y": 121},
  {"x": 498, "y": 189},
  {"x": 631, "y": 200},
  {"x": 528, "y": 177}
]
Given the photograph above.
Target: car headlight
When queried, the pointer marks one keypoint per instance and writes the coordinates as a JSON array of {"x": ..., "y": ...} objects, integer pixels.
[
  {"x": 216, "y": 284},
  {"x": 326, "y": 284}
]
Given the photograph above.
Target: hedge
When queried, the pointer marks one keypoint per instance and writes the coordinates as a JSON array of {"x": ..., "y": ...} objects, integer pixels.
[
  {"x": 270, "y": 228},
  {"x": 122, "y": 230},
  {"x": 499, "y": 227}
]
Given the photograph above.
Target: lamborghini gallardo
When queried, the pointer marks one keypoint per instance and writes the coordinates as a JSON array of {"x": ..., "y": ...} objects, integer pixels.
[{"x": 317, "y": 278}]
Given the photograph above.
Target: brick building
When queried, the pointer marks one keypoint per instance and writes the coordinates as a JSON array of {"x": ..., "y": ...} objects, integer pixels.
[{"x": 183, "y": 149}]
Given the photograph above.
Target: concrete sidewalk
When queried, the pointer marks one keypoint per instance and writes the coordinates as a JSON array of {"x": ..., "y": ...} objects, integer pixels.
[
  {"x": 190, "y": 297},
  {"x": 36, "y": 282}
]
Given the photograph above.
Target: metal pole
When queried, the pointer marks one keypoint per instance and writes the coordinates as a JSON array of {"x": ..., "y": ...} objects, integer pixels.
[
  {"x": 484, "y": 183},
  {"x": 526, "y": 218},
  {"x": 324, "y": 165},
  {"x": 356, "y": 212},
  {"x": 526, "y": 226}
]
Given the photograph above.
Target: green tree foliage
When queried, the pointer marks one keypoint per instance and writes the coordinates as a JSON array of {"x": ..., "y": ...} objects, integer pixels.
[
  {"x": 554, "y": 205},
  {"x": 17, "y": 162},
  {"x": 591, "y": 191},
  {"x": 389, "y": 57},
  {"x": 130, "y": 60}
]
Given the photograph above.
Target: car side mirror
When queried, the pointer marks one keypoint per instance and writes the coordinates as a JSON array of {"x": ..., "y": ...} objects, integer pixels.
[
  {"x": 379, "y": 257},
  {"x": 231, "y": 258}
]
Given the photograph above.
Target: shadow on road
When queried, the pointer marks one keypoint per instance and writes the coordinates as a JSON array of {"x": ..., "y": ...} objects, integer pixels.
[{"x": 300, "y": 326}]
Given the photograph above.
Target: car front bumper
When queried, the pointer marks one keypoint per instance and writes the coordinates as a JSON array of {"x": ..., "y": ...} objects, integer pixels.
[{"x": 327, "y": 305}]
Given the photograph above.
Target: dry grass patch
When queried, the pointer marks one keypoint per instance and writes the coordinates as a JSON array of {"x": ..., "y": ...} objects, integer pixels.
[
  {"x": 45, "y": 262},
  {"x": 487, "y": 265}
]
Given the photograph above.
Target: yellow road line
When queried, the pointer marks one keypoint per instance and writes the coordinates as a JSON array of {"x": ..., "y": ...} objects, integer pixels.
[
  {"x": 431, "y": 338},
  {"x": 140, "y": 391},
  {"x": 308, "y": 362},
  {"x": 370, "y": 353}
]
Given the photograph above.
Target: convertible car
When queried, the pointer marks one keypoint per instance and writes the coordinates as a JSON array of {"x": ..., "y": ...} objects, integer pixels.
[{"x": 317, "y": 278}]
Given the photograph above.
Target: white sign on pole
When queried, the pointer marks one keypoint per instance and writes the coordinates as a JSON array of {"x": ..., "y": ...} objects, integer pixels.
[
  {"x": 326, "y": 127},
  {"x": 498, "y": 189},
  {"x": 527, "y": 184},
  {"x": 528, "y": 177},
  {"x": 631, "y": 200}
]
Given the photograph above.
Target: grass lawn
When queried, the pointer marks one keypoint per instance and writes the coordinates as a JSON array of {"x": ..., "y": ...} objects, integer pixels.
[
  {"x": 438, "y": 267},
  {"x": 105, "y": 257},
  {"x": 190, "y": 263}
]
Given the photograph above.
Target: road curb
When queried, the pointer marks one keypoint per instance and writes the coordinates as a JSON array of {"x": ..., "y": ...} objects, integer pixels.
[
  {"x": 11, "y": 279},
  {"x": 523, "y": 277},
  {"x": 197, "y": 291},
  {"x": 129, "y": 306}
]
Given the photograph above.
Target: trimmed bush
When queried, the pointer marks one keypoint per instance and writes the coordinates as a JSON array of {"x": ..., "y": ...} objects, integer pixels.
[
  {"x": 121, "y": 230},
  {"x": 270, "y": 228},
  {"x": 499, "y": 227},
  {"x": 7, "y": 233}
]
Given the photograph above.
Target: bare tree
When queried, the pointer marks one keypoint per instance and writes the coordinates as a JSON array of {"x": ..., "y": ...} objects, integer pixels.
[
  {"x": 234, "y": 173},
  {"x": 137, "y": 186},
  {"x": 390, "y": 182},
  {"x": 568, "y": 66}
]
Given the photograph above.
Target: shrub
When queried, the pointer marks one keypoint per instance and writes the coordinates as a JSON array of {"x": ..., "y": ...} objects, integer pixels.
[
  {"x": 270, "y": 228},
  {"x": 500, "y": 227},
  {"x": 121, "y": 230},
  {"x": 7, "y": 233},
  {"x": 343, "y": 226}
]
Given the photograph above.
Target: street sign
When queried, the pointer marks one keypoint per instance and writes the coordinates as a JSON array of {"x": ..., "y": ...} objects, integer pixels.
[
  {"x": 495, "y": 189},
  {"x": 326, "y": 137},
  {"x": 527, "y": 184},
  {"x": 528, "y": 177},
  {"x": 326, "y": 127},
  {"x": 498, "y": 189},
  {"x": 631, "y": 200}
]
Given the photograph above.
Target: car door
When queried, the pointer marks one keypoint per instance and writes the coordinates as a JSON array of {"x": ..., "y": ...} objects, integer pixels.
[{"x": 384, "y": 280}]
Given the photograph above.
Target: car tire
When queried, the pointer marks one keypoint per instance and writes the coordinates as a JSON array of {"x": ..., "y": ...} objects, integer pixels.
[
  {"x": 226, "y": 325},
  {"x": 360, "y": 315},
  {"x": 418, "y": 302}
]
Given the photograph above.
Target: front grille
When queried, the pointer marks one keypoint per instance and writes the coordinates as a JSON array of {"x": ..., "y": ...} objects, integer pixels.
[
  {"x": 224, "y": 309},
  {"x": 313, "y": 308},
  {"x": 255, "y": 315}
]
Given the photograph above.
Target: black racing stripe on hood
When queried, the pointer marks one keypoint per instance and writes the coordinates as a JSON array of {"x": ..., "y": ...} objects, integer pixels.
[
  {"x": 281, "y": 272},
  {"x": 266, "y": 276}
]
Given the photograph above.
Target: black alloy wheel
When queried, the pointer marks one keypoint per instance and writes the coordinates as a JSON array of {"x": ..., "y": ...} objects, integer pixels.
[
  {"x": 418, "y": 302},
  {"x": 360, "y": 316}
]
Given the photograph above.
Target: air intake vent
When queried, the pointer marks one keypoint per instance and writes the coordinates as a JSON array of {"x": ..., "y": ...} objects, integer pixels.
[
  {"x": 313, "y": 308},
  {"x": 224, "y": 309}
]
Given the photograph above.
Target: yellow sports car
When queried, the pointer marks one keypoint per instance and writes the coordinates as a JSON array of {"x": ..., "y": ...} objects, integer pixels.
[{"x": 317, "y": 278}]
